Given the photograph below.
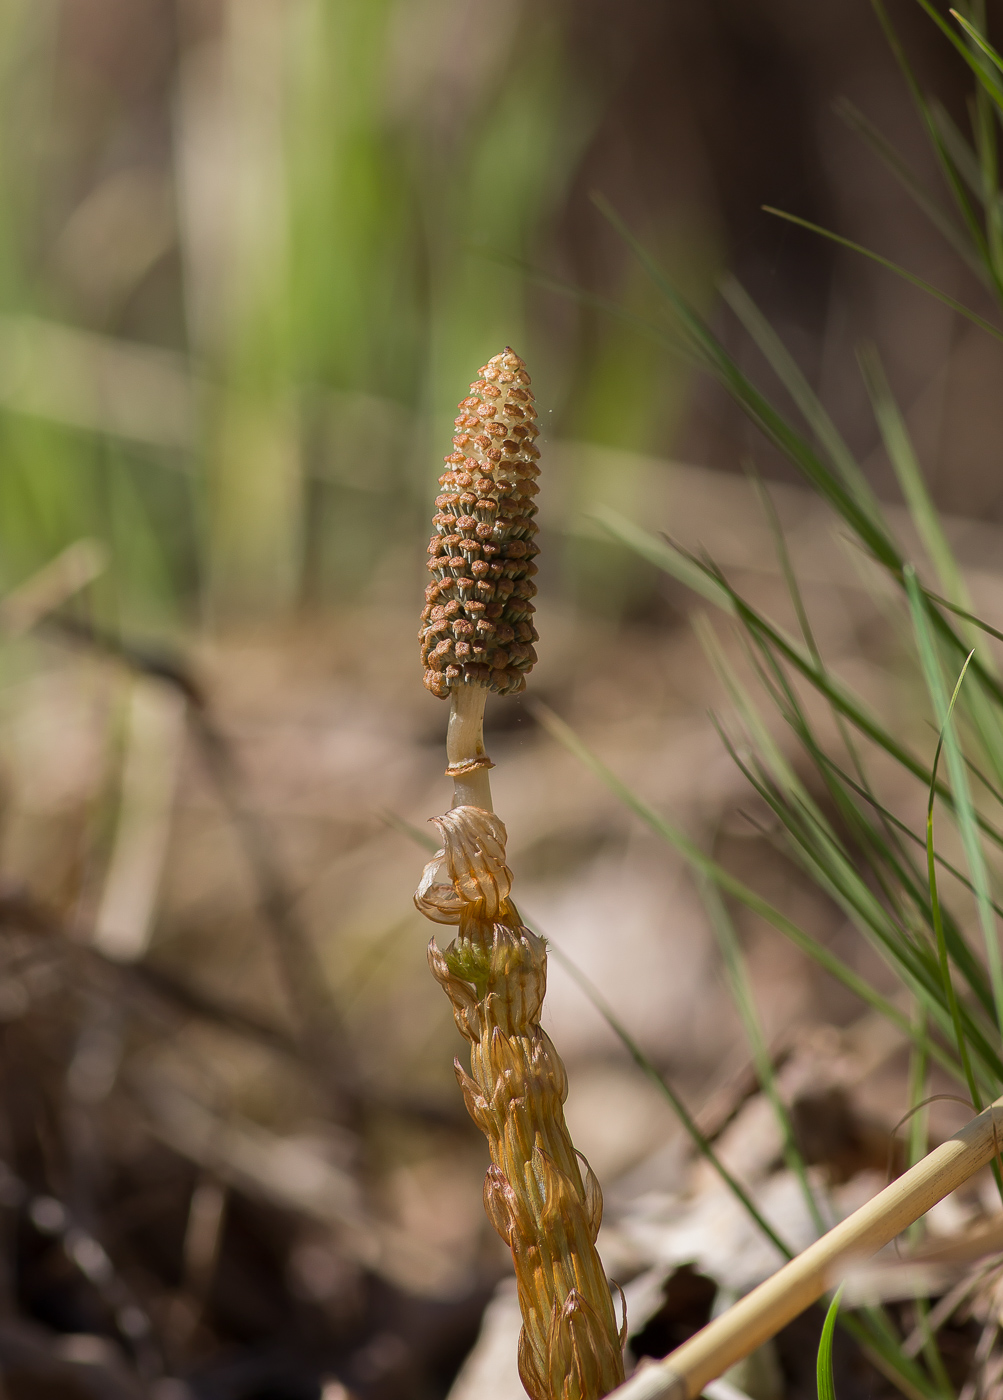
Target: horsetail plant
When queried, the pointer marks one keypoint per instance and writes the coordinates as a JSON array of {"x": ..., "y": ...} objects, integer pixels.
[{"x": 476, "y": 636}]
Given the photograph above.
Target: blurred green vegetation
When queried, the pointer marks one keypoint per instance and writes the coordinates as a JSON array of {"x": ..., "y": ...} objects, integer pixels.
[{"x": 307, "y": 226}]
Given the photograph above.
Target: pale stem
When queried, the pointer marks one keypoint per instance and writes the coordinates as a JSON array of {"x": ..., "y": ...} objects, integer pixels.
[{"x": 465, "y": 744}]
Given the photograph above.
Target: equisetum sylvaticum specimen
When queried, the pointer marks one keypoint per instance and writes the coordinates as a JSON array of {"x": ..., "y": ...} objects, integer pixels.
[{"x": 477, "y": 636}]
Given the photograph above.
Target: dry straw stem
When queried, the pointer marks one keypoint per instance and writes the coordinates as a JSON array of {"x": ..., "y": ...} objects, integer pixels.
[
  {"x": 758, "y": 1316},
  {"x": 539, "y": 1193}
]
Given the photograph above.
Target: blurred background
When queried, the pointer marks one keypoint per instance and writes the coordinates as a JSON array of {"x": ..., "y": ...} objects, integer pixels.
[{"x": 251, "y": 254}]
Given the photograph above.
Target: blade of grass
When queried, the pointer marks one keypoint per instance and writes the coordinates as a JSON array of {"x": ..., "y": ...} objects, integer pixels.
[
  {"x": 963, "y": 808},
  {"x": 958, "y": 238},
  {"x": 961, "y": 154},
  {"x": 985, "y": 131},
  {"x": 741, "y": 991},
  {"x": 982, "y": 44},
  {"x": 424, "y": 839},
  {"x": 968, "y": 616},
  {"x": 882, "y": 1346},
  {"x": 921, "y": 283},
  {"x": 919, "y": 1117},
  {"x": 784, "y": 366},
  {"x": 902, "y": 456},
  {"x": 975, "y": 61},
  {"x": 823, "y": 1368},
  {"x": 787, "y": 570},
  {"x": 664, "y": 556},
  {"x": 938, "y": 924}
]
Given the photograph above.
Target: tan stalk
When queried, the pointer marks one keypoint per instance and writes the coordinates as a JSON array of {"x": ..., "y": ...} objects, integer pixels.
[
  {"x": 758, "y": 1316},
  {"x": 468, "y": 762},
  {"x": 476, "y": 636}
]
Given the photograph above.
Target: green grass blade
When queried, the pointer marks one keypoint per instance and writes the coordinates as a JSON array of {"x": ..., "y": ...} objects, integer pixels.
[
  {"x": 981, "y": 42},
  {"x": 971, "y": 617},
  {"x": 902, "y": 456},
  {"x": 664, "y": 556},
  {"x": 793, "y": 712},
  {"x": 919, "y": 1117},
  {"x": 787, "y": 571},
  {"x": 741, "y": 991},
  {"x": 900, "y": 826},
  {"x": 963, "y": 808},
  {"x": 957, "y": 237},
  {"x": 787, "y": 371},
  {"x": 938, "y": 924},
  {"x": 876, "y": 1336},
  {"x": 977, "y": 64},
  {"x": 960, "y": 152},
  {"x": 986, "y": 719},
  {"x": 985, "y": 130},
  {"x": 904, "y": 273},
  {"x": 823, "y": 1367},
  {"x": 760, "y": 738},
  {"x": 421, "y": 838}
]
